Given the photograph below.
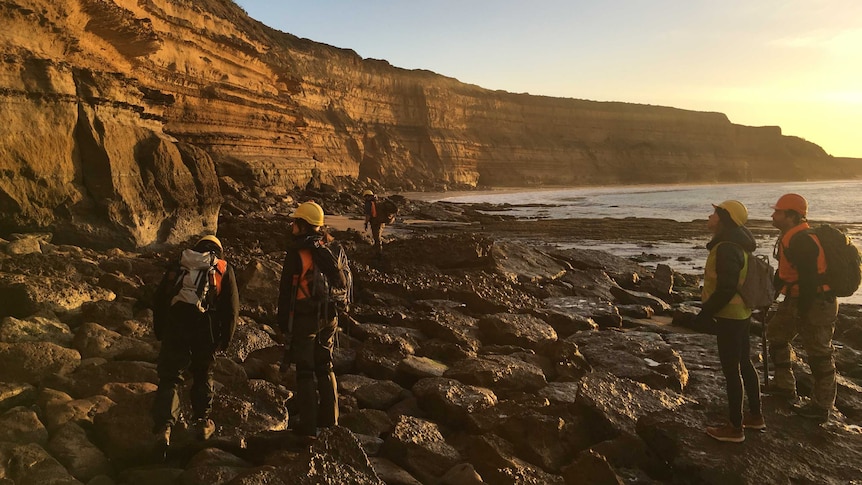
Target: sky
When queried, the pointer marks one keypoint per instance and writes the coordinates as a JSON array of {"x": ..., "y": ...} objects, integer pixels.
[{"x": 791, "y": 63}]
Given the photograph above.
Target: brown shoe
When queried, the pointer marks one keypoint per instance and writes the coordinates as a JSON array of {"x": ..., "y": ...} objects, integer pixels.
[
  {"x": 753, "y": 421},
  {"x": 204, "y": 428},
  {"x": 727, "y": 433}
]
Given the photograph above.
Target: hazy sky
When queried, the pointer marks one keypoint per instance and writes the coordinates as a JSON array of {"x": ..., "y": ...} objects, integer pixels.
[{"x": 792, "y": 63}]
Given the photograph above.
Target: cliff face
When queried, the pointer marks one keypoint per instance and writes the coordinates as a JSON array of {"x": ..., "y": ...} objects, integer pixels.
[{"x": 119, "y": 114}]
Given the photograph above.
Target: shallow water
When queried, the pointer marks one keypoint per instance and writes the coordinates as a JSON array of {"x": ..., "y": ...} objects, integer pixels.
[{"x": 832, "y": 201}]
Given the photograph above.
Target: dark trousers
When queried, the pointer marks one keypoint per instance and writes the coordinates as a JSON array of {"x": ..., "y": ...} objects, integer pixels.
[
  {"x": 187, "y": 344},
  {"x": 734, "y": 352},
  {"x": 311, "y": 347}
]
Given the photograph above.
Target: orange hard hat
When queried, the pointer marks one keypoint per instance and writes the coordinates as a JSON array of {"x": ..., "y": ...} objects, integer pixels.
[{"x": 794, "y": 202}]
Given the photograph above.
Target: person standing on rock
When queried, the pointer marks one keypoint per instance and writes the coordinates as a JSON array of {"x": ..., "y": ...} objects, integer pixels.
[
  {"x": 374, "y": 218},
  {"x": 726, "y": 268},
  {"x": 809, "y": 309},
  {"x": 308, "y": 320},
  {"x": 195, "y": 314}
]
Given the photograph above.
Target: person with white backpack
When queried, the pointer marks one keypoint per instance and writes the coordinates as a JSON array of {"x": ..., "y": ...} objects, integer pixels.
[
  {"x": 195, "y": 312},
  {"x": 726, "y": 270}
]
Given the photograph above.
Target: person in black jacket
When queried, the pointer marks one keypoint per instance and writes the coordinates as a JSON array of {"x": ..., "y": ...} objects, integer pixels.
[
  {"x": 809, "y": 309},
  {"x": 192, "y": 328},
  {"x": 307, "y": 320},
  {"x": 726, "y": 268}
]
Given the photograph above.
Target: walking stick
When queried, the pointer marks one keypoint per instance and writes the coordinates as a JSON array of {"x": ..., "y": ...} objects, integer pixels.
[
  {"x": 766, "y": 314},
  {"x": 765, "y": 350}
]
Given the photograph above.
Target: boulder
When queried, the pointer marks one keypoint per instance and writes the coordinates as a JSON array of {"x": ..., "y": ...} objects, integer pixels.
[
  {"x": 640, "y": 356},
  {"x": 496, "y": 461},
  {"x": 520, "y": 262},
  {"x": 34, "y": 362},
  {"x": 418, "y": 446},
  {"x": 73, "y": 449},
  {"x": 29, "y": 463},
  {"x": 616, "y": 404},
  {"x": 35, "y": 329},
  {"x": 522, "y": 330},
  {"x": 587, "y": 310},
  {"x": 451, "y": 402},
  {"x": 500, "y": 373}
]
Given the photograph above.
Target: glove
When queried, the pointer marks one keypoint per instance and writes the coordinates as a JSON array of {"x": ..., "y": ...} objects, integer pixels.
[
  {"x": 366, "y": 225},
  {"x": 702, "y": 320}
]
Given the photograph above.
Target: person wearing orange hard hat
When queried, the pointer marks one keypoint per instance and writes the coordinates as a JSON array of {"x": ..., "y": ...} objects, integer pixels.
[
  {"x": 809, "y": 309},
  {"x": 724, "y": 310}
]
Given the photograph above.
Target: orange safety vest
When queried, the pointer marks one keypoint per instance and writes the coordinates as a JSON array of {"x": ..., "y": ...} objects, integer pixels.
[
  {"x": 373, "y": 208},
  {"x": 787, "y": 271},
  {"x": 221, "y": 267},
  {"x": 301, "y": 280}
]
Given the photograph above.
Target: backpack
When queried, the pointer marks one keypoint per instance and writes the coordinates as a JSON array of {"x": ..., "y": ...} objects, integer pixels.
[
  {"x": 198, "y": 280},
  {"x": 758, "y": 288},
  {"x": 386, "y": 211},
  {"x": 843, "y": 265},
  {"x": 321, "y": 290}
]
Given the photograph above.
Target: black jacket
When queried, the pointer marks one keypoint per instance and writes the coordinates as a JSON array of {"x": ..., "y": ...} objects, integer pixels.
[
  {"x": 318, "y": 243},
  {"x": 802, "y": 253},
  {"x": 730, "y": 258}
]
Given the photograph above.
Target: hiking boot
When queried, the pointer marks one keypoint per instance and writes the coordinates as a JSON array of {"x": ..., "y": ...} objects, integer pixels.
[
  {"x": 163, "y": 441},
  {"x": 753, "y": 421},
  {"x": 813, "y": 412},
  {"x": 726, "y": 433},
  {"x": 163, "y": 435},
  {"x": 782, "y": 394},
  {"x": 204, "y": 428}
]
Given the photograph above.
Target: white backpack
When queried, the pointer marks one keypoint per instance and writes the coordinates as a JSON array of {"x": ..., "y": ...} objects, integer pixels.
[{"x": 199, "y": 279}]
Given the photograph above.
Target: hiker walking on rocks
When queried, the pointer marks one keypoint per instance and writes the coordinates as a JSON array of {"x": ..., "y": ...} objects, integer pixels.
[
  {"x": 195, "y": 314},
  {"x": 374, "y": 218},
  {"x": 726, "y": 267},
  {"x": 307, "y": 317},
  {"x": 809, "y": 309}
]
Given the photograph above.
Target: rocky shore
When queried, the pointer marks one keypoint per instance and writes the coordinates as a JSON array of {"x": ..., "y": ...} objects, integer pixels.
[{"x": 469, "y": 357}]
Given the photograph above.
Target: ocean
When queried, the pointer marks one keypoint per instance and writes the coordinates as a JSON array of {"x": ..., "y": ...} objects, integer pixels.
[{"x": 832, "y": 201}]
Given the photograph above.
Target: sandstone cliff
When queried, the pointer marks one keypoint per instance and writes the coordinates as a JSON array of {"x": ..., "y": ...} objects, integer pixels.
[{"x": 119, "y": 116}]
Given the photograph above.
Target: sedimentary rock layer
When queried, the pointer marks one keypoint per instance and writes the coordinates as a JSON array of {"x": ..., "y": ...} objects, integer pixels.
[{"x": 121, "y": 114}]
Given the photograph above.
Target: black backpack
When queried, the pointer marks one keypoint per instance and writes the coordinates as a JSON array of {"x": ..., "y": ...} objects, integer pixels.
[
  {"x": 843, "y": 262},
  {"x": 386, "y": 211},
  {"x": 324, "y": 294},
  {"x": 340, "y": 296}
]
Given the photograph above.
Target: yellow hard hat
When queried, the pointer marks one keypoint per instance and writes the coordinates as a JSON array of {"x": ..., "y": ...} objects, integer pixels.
[
  {"x": 212, "y": 239},
  {"x": 367, "y": 192},
  {"x": 737, "y": 210},
  {"x": 310, "y": 212}
]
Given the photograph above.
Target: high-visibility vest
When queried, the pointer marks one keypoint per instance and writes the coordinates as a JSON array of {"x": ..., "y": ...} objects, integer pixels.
[
  {"x": 303, "y": 280},
  {"x": 787, "y": 271},
  {"x": 735, "y": 308}
]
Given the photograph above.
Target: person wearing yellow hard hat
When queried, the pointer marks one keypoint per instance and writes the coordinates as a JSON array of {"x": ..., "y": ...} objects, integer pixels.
[
  {"x": 306, "y": 320},
  {"x": 724, "y": 311},
  {"x": 809, "y": 309},
  {"x": 195, "y": 311}
]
